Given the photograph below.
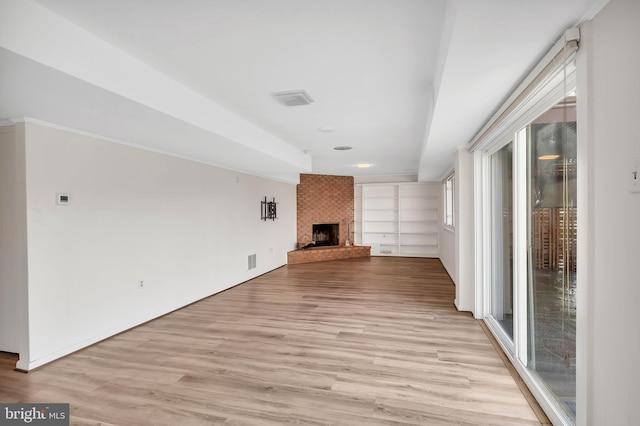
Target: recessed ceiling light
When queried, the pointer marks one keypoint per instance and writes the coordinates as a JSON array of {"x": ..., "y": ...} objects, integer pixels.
[
  {"x": 342, "y": 148},
  {"x": 363, "y": 165},
  {"x": 326, "y": 129}
]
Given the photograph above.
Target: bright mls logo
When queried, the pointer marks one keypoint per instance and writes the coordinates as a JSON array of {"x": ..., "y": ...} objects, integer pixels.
[{"x": 34, "y": 414}]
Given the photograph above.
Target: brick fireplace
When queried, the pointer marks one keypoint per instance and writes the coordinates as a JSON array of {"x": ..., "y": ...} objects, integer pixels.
[{"x": 325, "y": 199}]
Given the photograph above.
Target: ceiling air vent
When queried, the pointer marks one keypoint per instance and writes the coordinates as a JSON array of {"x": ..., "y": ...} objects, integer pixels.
[{"x": 293, "y": 98}]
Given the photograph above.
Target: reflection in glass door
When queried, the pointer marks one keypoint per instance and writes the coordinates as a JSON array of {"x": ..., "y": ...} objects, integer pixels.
[
  {"x": 502, "y": 239},
  {"x": 552, "y": 251}
]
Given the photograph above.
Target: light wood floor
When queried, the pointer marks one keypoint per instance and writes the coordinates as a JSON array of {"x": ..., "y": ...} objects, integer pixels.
[{"x": 349, "y": 342}]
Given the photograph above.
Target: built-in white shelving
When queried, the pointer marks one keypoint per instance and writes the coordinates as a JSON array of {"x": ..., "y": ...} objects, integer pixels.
[{"x": 397, "y": 219}]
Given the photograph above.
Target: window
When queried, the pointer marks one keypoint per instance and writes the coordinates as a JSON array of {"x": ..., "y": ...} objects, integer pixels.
[{"x": 448, "y": 201}]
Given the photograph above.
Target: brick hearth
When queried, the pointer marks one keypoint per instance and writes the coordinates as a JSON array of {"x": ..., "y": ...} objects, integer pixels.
[{"x": 319, "y": 254}]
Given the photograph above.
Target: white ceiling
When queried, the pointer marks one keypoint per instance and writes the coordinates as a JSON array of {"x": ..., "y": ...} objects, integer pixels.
[{"x": 404, "y": 82}]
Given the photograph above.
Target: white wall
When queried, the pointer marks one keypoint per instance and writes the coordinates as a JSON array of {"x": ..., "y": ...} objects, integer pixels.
[
  {"x": 464, "y": 259},
  {"x": 447, "y": 250},
  {"x": 185, "y": 229},
  {"x": 12, "y": 238},
  {"x": 609, "y": 311},
  {"x": 457, "y": 245}
]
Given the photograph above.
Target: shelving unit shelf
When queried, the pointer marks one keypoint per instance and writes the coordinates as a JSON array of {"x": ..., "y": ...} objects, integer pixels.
[{"x": 397, "y": 219}]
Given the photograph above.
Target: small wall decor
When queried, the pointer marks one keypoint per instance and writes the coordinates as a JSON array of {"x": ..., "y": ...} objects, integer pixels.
[{"x": 268, "y": 209}]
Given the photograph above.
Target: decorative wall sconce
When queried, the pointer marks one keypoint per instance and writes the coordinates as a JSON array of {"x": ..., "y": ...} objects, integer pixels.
[{"x": 268, "y": 209}]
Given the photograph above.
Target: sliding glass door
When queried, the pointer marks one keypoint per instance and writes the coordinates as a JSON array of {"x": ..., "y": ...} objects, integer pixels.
[
  {"x": 531, "y": 230},
  {"x": 551, "y": 311},
  {"x": 525, "y": 230}
]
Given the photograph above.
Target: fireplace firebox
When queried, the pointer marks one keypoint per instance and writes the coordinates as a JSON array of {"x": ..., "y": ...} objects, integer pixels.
[{"x": 326, "y": 234}]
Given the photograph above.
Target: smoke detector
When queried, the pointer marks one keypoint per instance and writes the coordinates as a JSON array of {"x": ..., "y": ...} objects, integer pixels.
[{"x": 293, "y": 98}]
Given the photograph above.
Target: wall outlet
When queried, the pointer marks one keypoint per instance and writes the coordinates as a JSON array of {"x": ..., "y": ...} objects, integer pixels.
[{"x": 141, "y": 284}]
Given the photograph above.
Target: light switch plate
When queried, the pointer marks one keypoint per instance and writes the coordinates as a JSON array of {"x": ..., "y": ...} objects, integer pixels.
[
  {"x": 62, "y": 199},
  {"x": 634, "y": 176}
]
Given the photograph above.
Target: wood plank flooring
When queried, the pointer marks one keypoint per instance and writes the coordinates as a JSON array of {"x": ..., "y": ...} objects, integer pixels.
[{"x": 369, "y": 341}]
